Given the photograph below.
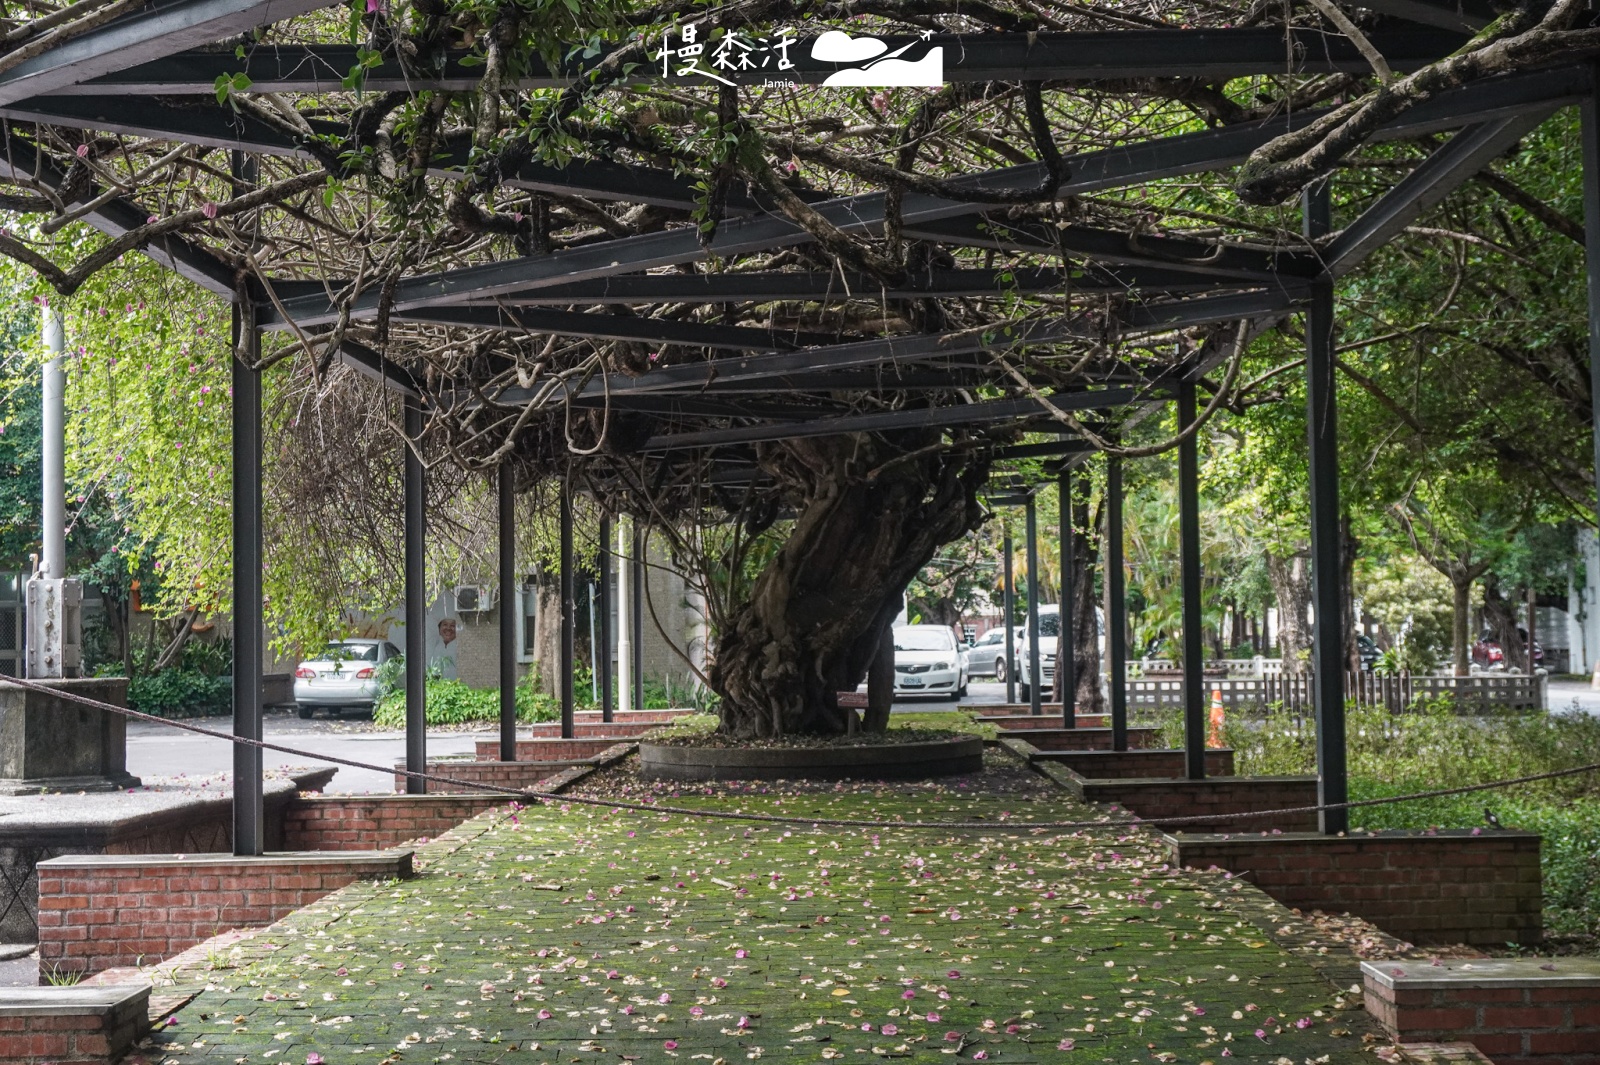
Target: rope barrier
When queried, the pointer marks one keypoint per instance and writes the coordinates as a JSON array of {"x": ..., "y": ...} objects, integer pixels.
[{"x": 786, "y": 819}]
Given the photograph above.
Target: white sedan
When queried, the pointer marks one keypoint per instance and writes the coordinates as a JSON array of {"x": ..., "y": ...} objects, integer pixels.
[
  {"x": 344, "y": 674},
  {"x": 927, "y": 661}
]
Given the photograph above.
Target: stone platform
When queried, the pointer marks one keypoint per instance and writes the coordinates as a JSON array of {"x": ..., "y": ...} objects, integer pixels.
[
  {"x": 48, "y": 743},
  {"x": 172, "y": 815}
]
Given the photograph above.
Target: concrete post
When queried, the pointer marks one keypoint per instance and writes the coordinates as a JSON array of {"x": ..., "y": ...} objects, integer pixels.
[{"x": 624, "y": 613}]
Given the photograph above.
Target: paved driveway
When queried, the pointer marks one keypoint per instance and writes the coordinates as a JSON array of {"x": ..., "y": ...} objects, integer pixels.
[{"x": 162, "y": 751}]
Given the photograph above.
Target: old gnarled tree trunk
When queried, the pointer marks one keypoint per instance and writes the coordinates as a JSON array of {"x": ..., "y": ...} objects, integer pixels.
[{"x": 817, "y": 613}]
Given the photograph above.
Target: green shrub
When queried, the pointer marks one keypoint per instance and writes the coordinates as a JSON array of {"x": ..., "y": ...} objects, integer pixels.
[
  {"x": 1435, "y": 747},
  {"x": 181, "y": 693},
  {"x": 450, "y": 702}
]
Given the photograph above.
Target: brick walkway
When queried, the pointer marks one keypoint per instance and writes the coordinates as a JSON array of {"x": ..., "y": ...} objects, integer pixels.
[{"x": 575, "y": 934}]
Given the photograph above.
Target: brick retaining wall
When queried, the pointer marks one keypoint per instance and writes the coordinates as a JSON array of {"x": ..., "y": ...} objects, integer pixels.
[
  {"x": 1089, "y": 739},
  {"x": 101, "y": 911},
  {"x": 1150, "y": 762},
  {"x": 1519, "y": 1011},
  {"x": 616, "y": 730},
  {"x": 549, "y": 750},
  {"x": 1045, "y": 721},
  {"x": 1449, "y": 886},
  {"x": 72, "y": 1025},
  {"x": 1156, "y": 798},
  {"x": 377, "y": 822},
  {"x": 501, "y": 774}
]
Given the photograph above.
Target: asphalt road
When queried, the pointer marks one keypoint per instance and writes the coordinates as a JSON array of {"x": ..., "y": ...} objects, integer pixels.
[{"x": 162, "y": 751}]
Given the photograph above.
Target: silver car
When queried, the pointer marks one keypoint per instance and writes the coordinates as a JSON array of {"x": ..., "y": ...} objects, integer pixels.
[{"x": 344, "y": 675}]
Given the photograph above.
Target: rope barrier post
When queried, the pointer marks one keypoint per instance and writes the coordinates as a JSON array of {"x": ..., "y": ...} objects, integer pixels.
[
  {"x": 1322, "y": 432},
  {"x": 507, "y": 486},
  {"x": 1194, "y": 696},
  {"x": 1008, "y": 605},
  {"x": 1117, "y": 613},
  {"x": 416, "y": 592},
  {"x": 249, "y": 818},
  {"x": 1067, "y": 640},
  {"x": 568, "y": 616},
  {"x": 1035, "y": 677},
  {"x": 602, "y": 654}
]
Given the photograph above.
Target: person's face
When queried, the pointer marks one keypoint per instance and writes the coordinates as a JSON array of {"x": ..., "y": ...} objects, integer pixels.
[{"x": 447, "y": 630}]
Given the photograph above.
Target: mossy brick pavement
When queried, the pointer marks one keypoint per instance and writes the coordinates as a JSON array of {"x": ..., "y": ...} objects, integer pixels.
[{"x": 576, "y": 934}]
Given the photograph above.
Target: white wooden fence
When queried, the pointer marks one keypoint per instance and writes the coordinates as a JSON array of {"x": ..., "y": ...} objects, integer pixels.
[{"x": 1398, "y": 692}]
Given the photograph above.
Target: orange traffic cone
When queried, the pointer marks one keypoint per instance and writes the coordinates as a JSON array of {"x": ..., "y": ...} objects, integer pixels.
[{"x": 1214, "y": 739}]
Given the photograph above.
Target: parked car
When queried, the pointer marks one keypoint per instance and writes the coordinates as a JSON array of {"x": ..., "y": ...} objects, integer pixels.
[
  {"x": 987, "y": 656},
  {"x": 343, "y": 676},
  {"x": 927, "y": 661},
  {"x": 1049, "y": 633},
  {"x": 1367, "y": 650}
]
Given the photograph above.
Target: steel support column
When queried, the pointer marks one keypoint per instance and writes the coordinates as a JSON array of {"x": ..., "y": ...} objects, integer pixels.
[
  {"x": 1194, "y": 694},
  {"x": 1590, "y": 112},
  {"x": 1067, "y": 641},
  {"x": 416, "y": 592},
  {"x": 568, "y": 616},
  {"x": 1117, "y": 615},
  {"x": 506, "y": 482},
  {"x": 602, "y": 654},
  {"x": 249, "y": 823},
  {"x": 1008, "y": 606},
  {"x": 1035, "y": 676},
  {"x": 1327, "y": 598}
]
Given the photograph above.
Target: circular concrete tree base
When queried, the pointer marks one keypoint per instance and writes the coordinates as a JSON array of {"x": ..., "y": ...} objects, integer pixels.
[{"x": 886, "y": 761}]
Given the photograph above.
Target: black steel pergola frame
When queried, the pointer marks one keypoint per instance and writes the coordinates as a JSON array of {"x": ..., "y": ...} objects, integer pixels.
[{"x": 129, "y": 76}]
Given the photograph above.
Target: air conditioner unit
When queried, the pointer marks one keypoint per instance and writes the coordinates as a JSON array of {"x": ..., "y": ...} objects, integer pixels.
[{"x": 471, "y": 599}]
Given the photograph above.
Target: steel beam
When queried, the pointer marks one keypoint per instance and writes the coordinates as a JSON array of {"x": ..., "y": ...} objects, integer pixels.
[
  {"x": 1049, "y": 449},
  {"x": 765, "y": 286},
  {"x": 1116, "y": 585},
  {"x": 506, "y": 550},
  {"x": 204, "y": 123},
  {"x": 22, "y": 163},
  {"x": 1194, "y": 647},
  {"x": 249, "y": 818},
  {"x": 607, "y": 327},
  {"x": 1199, "y": 260},
  {"x": 149, "y": 35},
  {"x": 1460, "y": 17},
  {"x": 1436, "y": 177},
  {"x": 1092, "y": 171},
  {"x": 376, "y": 367},
  {"x": 1210, "y": 54},
  {"x": 725, "y": 373},
  {"x": 1067, "y": 640},
  {"x": 1327, "y": 635},
  {"x": 569, "y": 689},
  {"x": 416, "y": 593},
  {"x": 982, "y": 413}
]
